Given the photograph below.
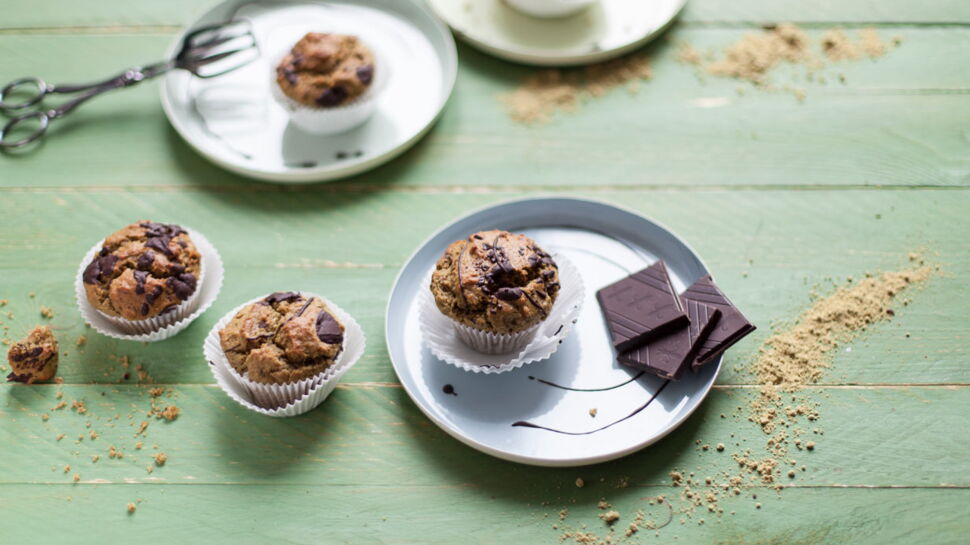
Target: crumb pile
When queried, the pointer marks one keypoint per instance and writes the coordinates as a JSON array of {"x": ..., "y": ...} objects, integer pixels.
[
  {"x": 753, "y": 57},
  {"x": 545, "y": 93}
]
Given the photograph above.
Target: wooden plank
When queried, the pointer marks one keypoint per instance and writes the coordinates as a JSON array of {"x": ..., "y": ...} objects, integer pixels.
[
  {"x": 23, "y": 14},
  {"x": 444, "y": 514},
  {"x": 371, "y": 435},
  {"x": 767, "y": 248},
  {"x": 898, "y": 121}
]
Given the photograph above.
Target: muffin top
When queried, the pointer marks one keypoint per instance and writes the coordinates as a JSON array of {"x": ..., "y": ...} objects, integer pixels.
[
  {"x": 495, "y": 281},
  {"x": 325, "y": 70},
  {"x": 143, "y": 270},
  {"x": 33, "y": 359},
  {"x": 283, "y": 338}
]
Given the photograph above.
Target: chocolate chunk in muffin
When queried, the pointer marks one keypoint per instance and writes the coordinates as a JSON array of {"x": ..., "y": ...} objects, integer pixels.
[
  {"x": 495, "y": 281},
  {"x": 33, "y": 359},
  {"x": 326, "y": 70},
  {"x": 142, "y": 271},
  {"x": 283, "y": 338}
]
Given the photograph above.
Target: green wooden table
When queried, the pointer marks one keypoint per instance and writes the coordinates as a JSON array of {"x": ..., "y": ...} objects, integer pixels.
[{"x": 789, "y": 195}]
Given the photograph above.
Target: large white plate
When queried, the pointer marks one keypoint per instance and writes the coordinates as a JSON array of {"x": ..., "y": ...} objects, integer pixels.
[
  {"x": 234, "y": 122},
  {"x": 605, "y": 243},
  {"x": 603, "y": 31}
]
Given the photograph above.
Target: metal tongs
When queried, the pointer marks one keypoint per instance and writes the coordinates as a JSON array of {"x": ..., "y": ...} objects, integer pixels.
[{"x": 206, "y": 52}]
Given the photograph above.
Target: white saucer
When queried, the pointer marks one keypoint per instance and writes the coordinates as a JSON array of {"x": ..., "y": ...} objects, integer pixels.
[
  {"x": 233, "y": 121},
  {"x": 540, "y": 414},
  {"x": 603, "y": 31}
]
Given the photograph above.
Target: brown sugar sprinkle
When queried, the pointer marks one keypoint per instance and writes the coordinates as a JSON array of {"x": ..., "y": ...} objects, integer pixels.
[
  {"x": 755, "y": 55},
  {"x": 79, "y": 406},
  {"x": 45, "y": 417},
  {"x": 115, "y": 453},
  {"x": 131, "y": 508},
  {"x": 160, "y": 459},
  {"x": 138, "y": 445},
  {"x": 67, "y": 469},
  {"x": 46, "y": 312},
  {"x": 545, "y": 93},
  {"x": 59, "y": 406},
  {"x": 81, "y": 341},
  {"x": 155, "y": 392},
  {"x": 77, "y": 477},
  {"x": 149, "y": 469},
  {"x": 59, "y": 436}
]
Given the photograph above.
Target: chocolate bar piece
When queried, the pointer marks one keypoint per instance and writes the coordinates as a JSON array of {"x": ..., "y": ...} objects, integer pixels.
[
  {"x": 731, "y": 327},
  {"x": 669, "y": 355},
  {"x": 640, "y": 307}
]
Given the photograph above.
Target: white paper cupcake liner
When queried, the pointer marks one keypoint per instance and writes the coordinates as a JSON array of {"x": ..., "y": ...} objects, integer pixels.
[
  {"x": 494, "y": 343},
  {"x": 159, "y": 327},
  {"x": 280, "y": 400},
  {"x": 333, "y": 119},
  {"x": 445, "y": 340}
]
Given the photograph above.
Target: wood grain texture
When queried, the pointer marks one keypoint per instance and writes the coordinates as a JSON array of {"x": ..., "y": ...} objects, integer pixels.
[
  {"x": 24, "y": 14},
  {"x": 899, "y": 121},
  {"x": 778, "y": 197},
  {"x": 366, "y": 435}
]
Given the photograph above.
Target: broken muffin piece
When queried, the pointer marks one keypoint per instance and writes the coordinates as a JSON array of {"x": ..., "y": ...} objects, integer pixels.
[{"x": 33, "y": 359}]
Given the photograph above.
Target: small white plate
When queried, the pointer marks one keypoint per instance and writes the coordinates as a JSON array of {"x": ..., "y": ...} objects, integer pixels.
[
  {"x": 607, "y": 29},
  {"x": 233, "y": 120},
  {"x": 633, "y": 410}
]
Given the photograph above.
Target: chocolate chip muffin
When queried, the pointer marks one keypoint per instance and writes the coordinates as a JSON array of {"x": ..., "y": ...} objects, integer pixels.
[
  {"x": 283, "y": 338},
  {"x": 145, "y": 270},
  {"x": 33, "y": 359},
  {"x": 326, "y": 70},
  {"x": 495, "y": 281}
]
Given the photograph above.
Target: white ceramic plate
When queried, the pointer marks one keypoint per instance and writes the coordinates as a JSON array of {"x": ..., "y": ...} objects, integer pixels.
[
  {"x": 233, "y": 120},
  {"x": 632, "y": 410},
  {"x": 605, "y": 30}
]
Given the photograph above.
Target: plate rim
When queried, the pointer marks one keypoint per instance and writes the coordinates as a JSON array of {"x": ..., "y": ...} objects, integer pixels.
[
  {"x": 326, "y": 173},
  {"x": 541, "y": 57},
  {"x": 534, "y": 460}
]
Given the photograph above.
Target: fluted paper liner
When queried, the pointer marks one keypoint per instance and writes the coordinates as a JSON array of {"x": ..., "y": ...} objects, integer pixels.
[
  {"x": 333, "y": 119},
  {"x": 290, "y": 399},
  {"x": 166, "y": 325},
  {"x": 462, "y": 346}
]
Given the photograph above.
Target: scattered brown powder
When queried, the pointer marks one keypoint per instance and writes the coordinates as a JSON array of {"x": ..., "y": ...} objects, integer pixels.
[
  {"x": 161, "y": 458},
  {"x": 59, "y": 436},
  {"x": 610, "y": 516},
  {"x": 554, "y": 90},
  {"x": 838, "y": 46},
  {"x": 755, "y": 55},
  {"x": 77, "y": 477},
  {"x": 79, "y": 406},
  {"x": 81, "y": 341},
  {"x": 47, "y": 312},
  {"x": 131, "y": 508}
]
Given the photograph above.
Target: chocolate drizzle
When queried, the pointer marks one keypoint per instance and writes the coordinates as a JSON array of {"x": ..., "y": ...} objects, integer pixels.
[
  {"x": 571, "y": 389},
  {"x": 524, "y": 424}
]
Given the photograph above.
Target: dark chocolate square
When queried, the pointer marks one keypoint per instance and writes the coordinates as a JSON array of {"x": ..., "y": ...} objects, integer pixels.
[
  {"x": 640, "y": 307},
  {"x": 731, "y": 327},
  {"x": 669, "y": 355}
]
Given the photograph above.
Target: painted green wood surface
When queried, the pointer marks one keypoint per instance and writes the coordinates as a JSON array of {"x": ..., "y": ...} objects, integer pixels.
[{"x": 789, "y": 197}]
